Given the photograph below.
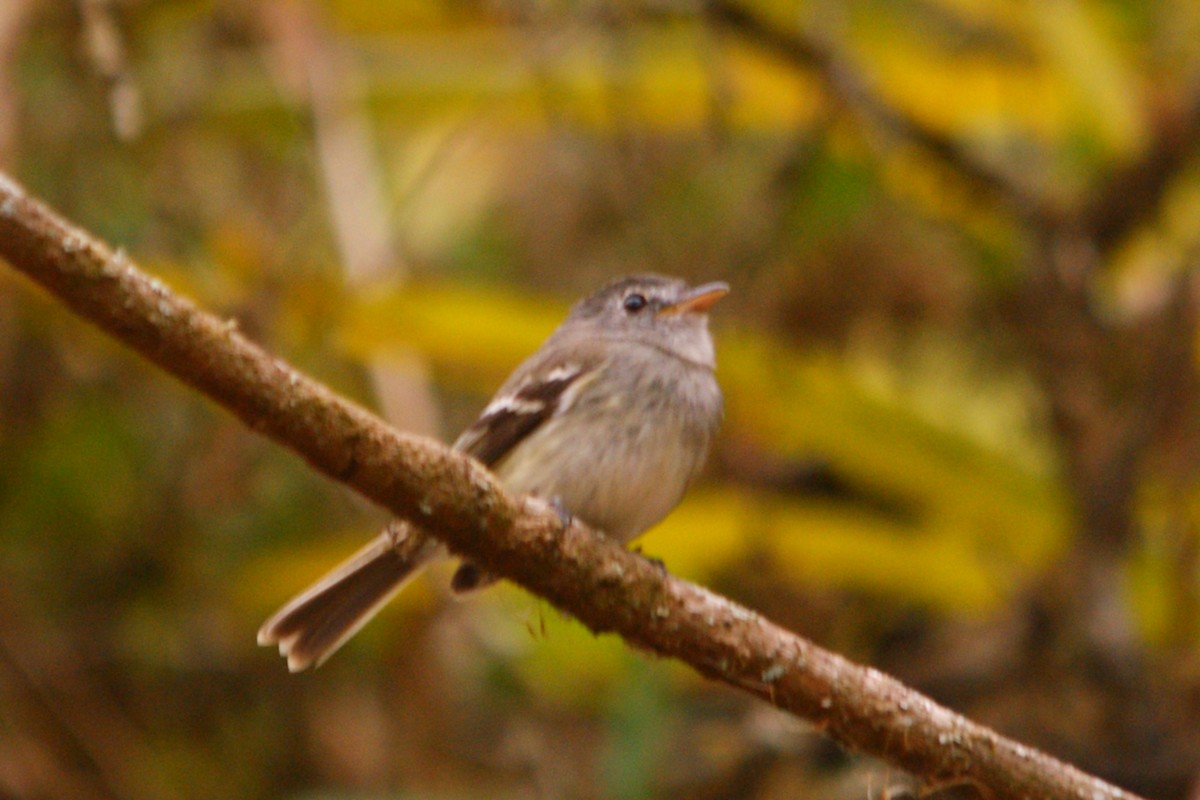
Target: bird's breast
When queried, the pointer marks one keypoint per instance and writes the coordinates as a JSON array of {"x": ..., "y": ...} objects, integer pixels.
[{"x": 621, "y": 457}]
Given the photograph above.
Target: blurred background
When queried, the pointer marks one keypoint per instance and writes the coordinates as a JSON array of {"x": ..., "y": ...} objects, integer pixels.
[{"x": 961, "y": 442}]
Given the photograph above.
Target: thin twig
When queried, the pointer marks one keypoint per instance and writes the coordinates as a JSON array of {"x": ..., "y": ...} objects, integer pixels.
[
  {"x": 848, "y": 89},
  {"x": 1133, "y": 193},
  {"x": 105, "y": 48}
]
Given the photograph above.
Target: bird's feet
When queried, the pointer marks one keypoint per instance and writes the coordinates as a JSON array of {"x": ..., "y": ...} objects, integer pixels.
[
  {"x": 564, "y": 516},
  {"x": 657, "y": 562}
]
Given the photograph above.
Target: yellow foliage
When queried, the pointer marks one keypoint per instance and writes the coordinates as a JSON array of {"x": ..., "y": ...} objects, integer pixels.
[
  {"x": 443, "y": 323},
  {"x": 1078, "y": 47}
]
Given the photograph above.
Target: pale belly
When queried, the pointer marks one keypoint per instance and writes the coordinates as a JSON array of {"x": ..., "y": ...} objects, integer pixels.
[{"x": 629, "y": 477}]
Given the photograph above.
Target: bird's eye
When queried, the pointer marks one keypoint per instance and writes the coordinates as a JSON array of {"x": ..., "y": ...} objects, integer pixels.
[{"x": 635, "y": 302}]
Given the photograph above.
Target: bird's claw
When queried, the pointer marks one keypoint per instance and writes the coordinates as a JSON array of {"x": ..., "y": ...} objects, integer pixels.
[
  {"x": 564, "y": 516},
  {"x": 657, "y": 562}
]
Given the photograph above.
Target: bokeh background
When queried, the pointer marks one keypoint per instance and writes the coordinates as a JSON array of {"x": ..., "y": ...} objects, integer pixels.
[{"x": 961, "y": 442}]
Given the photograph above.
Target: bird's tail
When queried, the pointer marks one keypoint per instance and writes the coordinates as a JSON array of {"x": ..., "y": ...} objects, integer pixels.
[{"x": 315, "y": 623}]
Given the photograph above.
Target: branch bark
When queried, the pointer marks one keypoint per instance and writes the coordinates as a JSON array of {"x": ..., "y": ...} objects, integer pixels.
[{"x": 599, "y": 583}]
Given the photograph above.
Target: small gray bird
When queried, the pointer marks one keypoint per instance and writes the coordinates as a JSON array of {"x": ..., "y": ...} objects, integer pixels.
[{"x": 610, "y": 419}]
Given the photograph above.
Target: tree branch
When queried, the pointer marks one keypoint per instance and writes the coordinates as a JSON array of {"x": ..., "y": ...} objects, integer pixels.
[
  {"x": 847, "y": 88},
  {"x": 590, "y": 577},
  {"x": 1133, "y": 193}
]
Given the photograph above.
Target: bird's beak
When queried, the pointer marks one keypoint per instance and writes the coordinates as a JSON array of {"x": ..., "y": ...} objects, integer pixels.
[{"x": 697, "y": 300}]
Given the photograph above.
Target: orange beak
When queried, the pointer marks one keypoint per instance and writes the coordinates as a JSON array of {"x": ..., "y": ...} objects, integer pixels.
[{"x": 698, "y": 300}]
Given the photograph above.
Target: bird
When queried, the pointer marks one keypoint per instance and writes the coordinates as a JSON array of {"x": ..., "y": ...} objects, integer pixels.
[{"x": 610, "y": 420}]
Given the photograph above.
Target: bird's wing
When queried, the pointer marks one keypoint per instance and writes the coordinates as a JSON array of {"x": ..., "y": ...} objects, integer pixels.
[{"x": 546, "y": 385}]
